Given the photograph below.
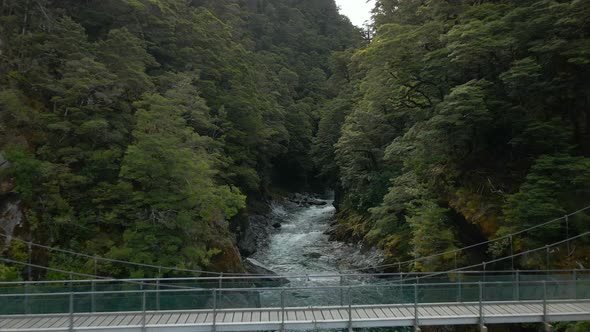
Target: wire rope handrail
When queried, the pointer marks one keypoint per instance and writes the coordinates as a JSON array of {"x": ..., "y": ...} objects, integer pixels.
[
  {"x": 416, "y": 278},
  {"x": 505, "y": 237},
  {"x": 248, "y": 275},
  {"x": 302, "y": 276}
]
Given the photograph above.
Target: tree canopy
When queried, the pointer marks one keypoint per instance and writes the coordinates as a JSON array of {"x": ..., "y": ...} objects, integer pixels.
[
  {"x": 464, "y": 121},
  {"x": 139, "y": 129},
  {"x": 146, "y": 130}
]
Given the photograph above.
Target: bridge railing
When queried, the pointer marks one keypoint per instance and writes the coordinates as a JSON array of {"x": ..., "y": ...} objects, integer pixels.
[
  {"x": 102, "y": 285},
  {"x": 387, "y": 293},
  {"x": 124, "y": 295}
]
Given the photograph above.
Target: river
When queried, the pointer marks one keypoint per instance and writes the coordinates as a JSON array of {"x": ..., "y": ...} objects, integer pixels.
[{"x": 302, "y": 246}]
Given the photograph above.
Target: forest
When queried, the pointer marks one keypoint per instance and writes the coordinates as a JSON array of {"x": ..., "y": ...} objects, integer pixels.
[
  {"x": 464, "y": 121},
  {"x": 139, "y": 130},
  {"x": 149, "y": 130}
]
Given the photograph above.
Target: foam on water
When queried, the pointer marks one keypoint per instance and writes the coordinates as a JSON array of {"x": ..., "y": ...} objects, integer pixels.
[{"x": 301, "y": 246}]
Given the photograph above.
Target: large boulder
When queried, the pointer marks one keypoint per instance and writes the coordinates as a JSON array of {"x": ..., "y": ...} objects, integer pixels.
[
  {"x": 254, "y": 233},
  {"x": 256, "y": 268}
]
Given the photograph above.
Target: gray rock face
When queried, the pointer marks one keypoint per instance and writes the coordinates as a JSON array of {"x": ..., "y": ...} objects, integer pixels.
[
  {"x": 261, "y": 227},
  {"x": 10, "y": 213},
  {"x": 258, "y": 230},
  {"x": 315, "y": 255},
  {"x": 255, "y": 267}
]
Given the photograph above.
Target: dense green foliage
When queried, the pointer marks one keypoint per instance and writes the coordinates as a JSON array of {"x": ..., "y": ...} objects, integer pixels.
[
  {"x": 140, "y": 129},
  {"x": 135, "y": 129},
  {"x": 465, "y": 120}
]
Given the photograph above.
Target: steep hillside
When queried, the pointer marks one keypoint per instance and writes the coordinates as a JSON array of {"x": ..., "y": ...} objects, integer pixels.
[
  {"x": 137, "y": 129},
  {"x": 460, "y": 122}
]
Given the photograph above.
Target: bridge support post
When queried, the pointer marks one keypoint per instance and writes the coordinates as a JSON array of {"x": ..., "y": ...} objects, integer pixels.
[
  {"x": 517, "y": 277},
  {"x": 92, "y": 296},
  {"x": 575, "y": 285},
  {"x": 143, "y": 312},
  {"x": 71, "y": 325},
  {"x": 459, "y": 286},
  {"x": 482, "y": 326},
  {"x": 548, "y": 327},
  {"x": 416, "y": 314},
  {"x": 214, "y": 327},
  {"x": 512, "y": 252},
  {"x": 401, "y": 287},
  {"x": 158, "y": 294},
  {"x": 283, "y": 310},
  {"x": 349, "y": 309},
  {"x": 26, "y": 300},
  {"x": 341, "y": 291}
]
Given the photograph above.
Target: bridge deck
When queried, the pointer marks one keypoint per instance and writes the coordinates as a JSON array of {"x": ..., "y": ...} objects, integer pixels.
[{"x": 304, "y": 318}]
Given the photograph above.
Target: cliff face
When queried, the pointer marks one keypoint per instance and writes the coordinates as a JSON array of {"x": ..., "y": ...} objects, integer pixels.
[
  {"x": 10, "y": 205},
  {"x": 10, "y": 214}
]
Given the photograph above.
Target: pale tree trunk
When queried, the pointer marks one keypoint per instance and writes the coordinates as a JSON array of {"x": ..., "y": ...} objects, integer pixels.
[{"x": 26, "y": 17}]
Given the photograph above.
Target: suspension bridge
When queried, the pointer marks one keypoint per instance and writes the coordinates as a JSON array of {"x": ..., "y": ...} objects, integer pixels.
[
  {"x": 338, "y": 302},
  {"x": 465, "y": 295}
]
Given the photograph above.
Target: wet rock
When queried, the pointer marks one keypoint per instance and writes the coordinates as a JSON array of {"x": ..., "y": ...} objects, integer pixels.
[
  {"x": 256, "y": 232},
  {"x": 318, "y": 202},
  {"x": 315, "y": 255},
  {"x": 256, "y": 268},
  {"x": 306, "y": 200},
  {"x": 10, "y": 213}
]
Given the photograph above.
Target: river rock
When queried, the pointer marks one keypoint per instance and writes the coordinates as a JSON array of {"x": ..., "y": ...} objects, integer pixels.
[
  {"x": 255, "y": 267},
  {"x": 315, "y": 255},
  {"x": 256, "y": 232},
  {"x": 257, "y": 228},
  {"x": 306, "y": 200}
]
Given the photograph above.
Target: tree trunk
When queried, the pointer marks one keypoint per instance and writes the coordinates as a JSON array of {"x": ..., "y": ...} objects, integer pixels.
[{"x": 26, "y": 17}]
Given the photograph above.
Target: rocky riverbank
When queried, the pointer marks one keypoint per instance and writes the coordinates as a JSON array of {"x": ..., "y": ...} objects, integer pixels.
[
  {"x": 294, "y": 238},
  {"x": 259, "y": 227}
]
